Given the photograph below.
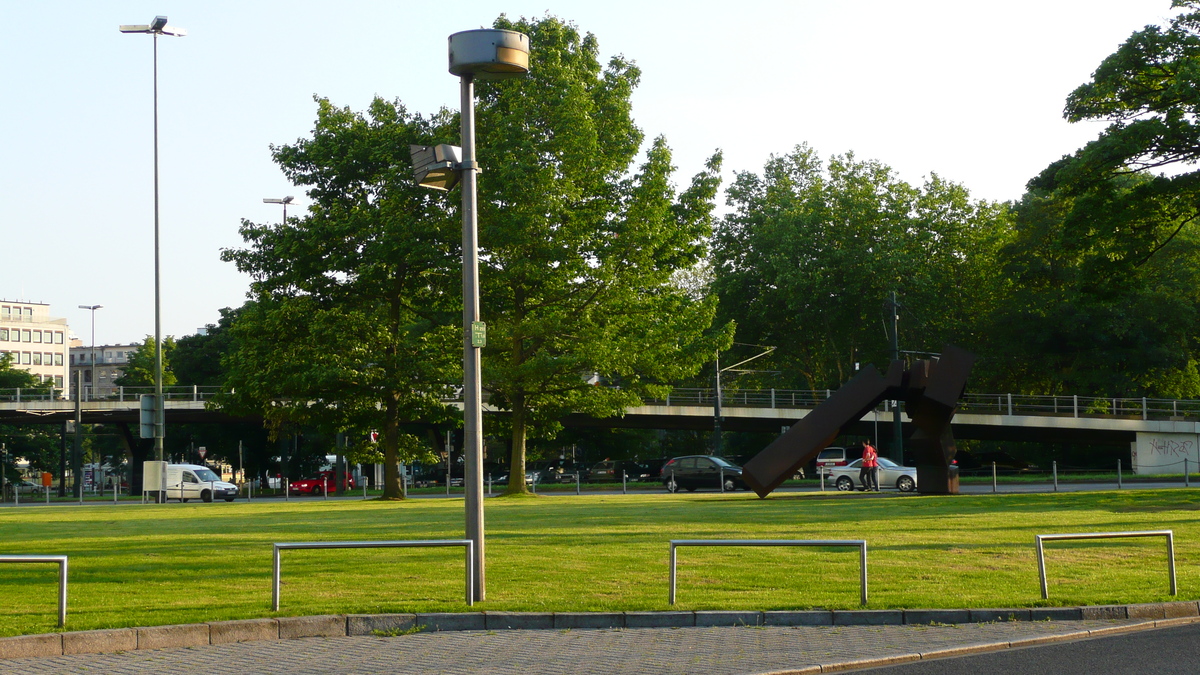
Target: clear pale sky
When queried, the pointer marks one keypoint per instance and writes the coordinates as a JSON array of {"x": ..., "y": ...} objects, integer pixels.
[{"x": 971, "y": 91}]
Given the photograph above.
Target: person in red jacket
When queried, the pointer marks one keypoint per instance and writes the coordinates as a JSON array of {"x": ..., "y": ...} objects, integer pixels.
[{"x": 868, "y": 475}]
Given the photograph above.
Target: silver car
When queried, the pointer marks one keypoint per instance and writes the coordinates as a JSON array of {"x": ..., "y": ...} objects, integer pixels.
[{"x": 891, "y": 475}]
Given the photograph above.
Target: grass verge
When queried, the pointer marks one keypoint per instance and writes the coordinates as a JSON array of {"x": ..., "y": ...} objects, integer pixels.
[{"x": 137, "y": 565}]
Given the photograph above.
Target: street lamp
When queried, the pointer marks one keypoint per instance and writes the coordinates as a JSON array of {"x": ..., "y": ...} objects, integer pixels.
[
  {"x": 157, "y": 27},
  {"x": 285, "y": 201},
  {"x": 718, "y": 441},
  {"x": 489, "y": 55},
  {"x": 92, "y": 309}
]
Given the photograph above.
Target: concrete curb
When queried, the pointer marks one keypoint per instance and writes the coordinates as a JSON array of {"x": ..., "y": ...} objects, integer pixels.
[{"x": 1154, "y": 615}]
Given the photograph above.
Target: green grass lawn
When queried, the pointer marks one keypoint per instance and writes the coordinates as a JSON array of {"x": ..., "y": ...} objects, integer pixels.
[{"x": 135, "y": 565}]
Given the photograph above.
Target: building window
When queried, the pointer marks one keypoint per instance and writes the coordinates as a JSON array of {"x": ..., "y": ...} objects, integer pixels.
[
  {"x": 26, "y": 335},
  {"x": 58, "y": 359},
  {"x": 4, "y": 334},
  {"x": 29, "y": 313},
  {"x": 58, "y": 381},
  {"x": 37, "y": 358},
  {"x": 25, "y": 358},
  {"x": 58, "y": 337},
  {"x": 16, "y": 335},
  {"x": 5, "y": 313},
  {"x": 37, "y": 336}
]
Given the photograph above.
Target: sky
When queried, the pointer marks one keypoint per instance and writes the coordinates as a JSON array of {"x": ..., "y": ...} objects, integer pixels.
[{"x": 971, "y": 91}]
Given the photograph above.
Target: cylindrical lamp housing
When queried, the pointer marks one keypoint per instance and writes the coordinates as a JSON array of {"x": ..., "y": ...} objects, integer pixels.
[{"x": 489, "y": 54}]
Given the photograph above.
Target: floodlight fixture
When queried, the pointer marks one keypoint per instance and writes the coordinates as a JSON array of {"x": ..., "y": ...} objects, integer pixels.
[
  {"x": 285, "y": 200},
  {"x": 437, "y": 167},
  {"x": 157, "y": 27}
]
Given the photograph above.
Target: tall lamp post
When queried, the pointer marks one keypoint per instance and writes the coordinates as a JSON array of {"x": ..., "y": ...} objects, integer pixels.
[
  {"x": 157, "y": 27},
  {"x": 487, "y": 54},
  {"x": 285, "y": 201},
  {"x": 718, "y": 440},
  {"x": 92, "y": 309}
]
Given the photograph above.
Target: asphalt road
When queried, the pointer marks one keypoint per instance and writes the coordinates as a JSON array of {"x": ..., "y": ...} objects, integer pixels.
[{"x": 1164, "y": 651}]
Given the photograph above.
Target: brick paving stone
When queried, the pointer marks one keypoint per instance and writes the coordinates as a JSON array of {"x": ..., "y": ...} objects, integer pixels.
[{"x": 629, "y": 651}]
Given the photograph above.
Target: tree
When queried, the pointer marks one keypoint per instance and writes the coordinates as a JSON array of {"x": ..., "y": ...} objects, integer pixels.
[
  {"x": 811, "y": 250},
  {"x": 1149, "y": 93},
  {"x": 1104, "y": 265},
  {"x": 39, "y": 444},
  {"x": 352, "y": 321},
  {"x": 139, "y": 372},
  {"x": 196, "y": 359},
  {"x": 578, "y": 248}
]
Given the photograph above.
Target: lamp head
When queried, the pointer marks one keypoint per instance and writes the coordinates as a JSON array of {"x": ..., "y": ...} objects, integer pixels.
[
  {"x": 159, "y": 23},
  {"x": 489, "y": 54}
]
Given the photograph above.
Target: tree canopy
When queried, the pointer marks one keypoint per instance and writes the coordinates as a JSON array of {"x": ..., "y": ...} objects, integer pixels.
[
  {"x": 351, "y": 327},
  {"x": 579, "y": 246},
  {"x": 811, "y": 250}
]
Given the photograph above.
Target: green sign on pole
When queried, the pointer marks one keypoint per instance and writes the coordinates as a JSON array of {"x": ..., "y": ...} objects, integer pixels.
[{"x": 478, "y": 334}]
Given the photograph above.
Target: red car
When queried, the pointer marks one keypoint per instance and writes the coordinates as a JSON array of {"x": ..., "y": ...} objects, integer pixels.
[{"x": 324, "y": 482}]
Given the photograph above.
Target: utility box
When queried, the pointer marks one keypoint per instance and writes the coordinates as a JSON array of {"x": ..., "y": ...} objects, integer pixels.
[{"x": 154, "y": 476}]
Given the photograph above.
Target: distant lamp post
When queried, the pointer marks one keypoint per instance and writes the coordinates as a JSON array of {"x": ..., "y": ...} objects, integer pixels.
[
  {"x": 489, "y": 55},
  {"x": 285, "y": 201},
  {"x": 718, "y": 440},
  {"x": 157, "y": 27},
  {"x": 92, "y": 309}
]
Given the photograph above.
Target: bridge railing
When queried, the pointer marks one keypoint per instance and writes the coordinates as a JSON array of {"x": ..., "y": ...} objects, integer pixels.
[
  {"x": 119, "y": 394},
  {"x": 994, "y": 404}
]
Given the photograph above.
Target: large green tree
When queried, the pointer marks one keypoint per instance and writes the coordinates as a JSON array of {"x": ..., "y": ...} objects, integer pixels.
[
  {"x": 1105, "y": 264},
  {"x": 39, "y": 444},
  {"x": 579, "y": 245},
  {"x": 811, "y": 251},
  {"x": 351, "y": 327}
]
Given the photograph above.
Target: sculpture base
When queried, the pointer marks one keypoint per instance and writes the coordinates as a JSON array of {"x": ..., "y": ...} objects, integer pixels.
[{"x": 937, "y": 480}]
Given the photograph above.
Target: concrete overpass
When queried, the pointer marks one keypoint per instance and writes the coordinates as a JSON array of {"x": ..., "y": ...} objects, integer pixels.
[{"x": 1160, "y": 433}]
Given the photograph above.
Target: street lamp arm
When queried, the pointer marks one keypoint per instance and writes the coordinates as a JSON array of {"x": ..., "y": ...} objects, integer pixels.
[{"x": 769, "y": 350}]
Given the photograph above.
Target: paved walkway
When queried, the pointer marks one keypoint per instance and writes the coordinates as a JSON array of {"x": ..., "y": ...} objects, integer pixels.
[{"x": 642, "y": 651}]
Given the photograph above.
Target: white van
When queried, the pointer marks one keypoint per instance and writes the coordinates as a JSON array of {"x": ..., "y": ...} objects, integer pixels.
[{"x": 191, "y": 481}]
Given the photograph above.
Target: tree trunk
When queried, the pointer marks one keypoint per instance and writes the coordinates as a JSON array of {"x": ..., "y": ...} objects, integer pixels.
[
  {"x": 516, "y": 471},
  {"x": 391, "y": 457}
]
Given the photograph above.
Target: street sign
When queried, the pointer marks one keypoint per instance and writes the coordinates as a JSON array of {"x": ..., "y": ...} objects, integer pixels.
[
  {"x": 147, "y": 416},
  {"x": 202, "y": 450},
  {"x": 478, "y": 334}
]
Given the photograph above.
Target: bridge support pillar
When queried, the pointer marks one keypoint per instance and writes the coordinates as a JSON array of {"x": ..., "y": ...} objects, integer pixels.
[{"x": 1164, "y": 452}]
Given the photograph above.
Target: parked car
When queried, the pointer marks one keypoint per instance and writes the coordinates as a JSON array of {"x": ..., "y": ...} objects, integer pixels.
[
  {"x": 891, "y": 475},
  {"x": 701, "y": 471},
  {"x": 837, "y": 456},
  {"x": 324, "y": 482}
]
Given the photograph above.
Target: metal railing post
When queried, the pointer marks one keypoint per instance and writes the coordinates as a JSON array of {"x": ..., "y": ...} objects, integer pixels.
[
  {"x": 993, "y": 476},
  {"x": 286, "y": 490},
  {"x": 1170, "y": 535},
  {"x": 577, "y": 487},
  {"x": 1010, "y": 405},
  {"x": 1075, "y": 405},
  {"x": 861, "y": 544},
  {"x": 722, "y": 478},
  {"x": 1054, "y": 470},
  {"x": 467, "y": 544},
  {"x": 61, "y": 561},
  {"x": 1186, "y": 477},
  {"x": 624, "y": 478},
  {"x": 772, "y": 397},
  {"x": 1145, "y": 410},
  {"x": 1118, "y": 474}
]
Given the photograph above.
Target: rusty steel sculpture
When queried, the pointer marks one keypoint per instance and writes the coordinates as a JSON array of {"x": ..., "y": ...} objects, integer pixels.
[{"x": 930, "y": 390}]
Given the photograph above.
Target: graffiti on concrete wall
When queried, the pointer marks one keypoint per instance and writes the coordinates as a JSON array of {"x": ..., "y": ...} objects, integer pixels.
[{"x": 1170, "y": 447}]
